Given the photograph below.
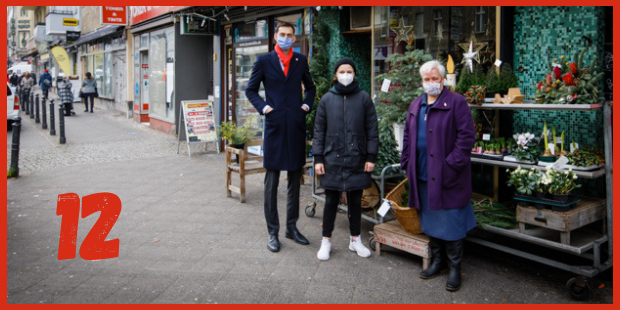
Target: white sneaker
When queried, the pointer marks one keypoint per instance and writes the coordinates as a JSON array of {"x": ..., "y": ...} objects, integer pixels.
[
  {"x": 326, "y": 247},
  {"x": 356, "y": 246}
]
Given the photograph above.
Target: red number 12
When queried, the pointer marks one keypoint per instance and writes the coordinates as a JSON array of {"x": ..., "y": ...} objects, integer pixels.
[{"x": 94, "y": 247}]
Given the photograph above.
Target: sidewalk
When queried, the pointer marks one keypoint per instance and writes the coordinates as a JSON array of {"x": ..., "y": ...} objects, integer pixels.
[{"x": 183, "y": 241}]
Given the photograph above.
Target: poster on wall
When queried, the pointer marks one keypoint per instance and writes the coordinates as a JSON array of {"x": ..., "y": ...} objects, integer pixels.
[{"x": 199, "y": 122}]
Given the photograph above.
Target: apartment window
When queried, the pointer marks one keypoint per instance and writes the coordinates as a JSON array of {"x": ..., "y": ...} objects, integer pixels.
[
  {"x": 479, "y": 22},
  {"x": 64, "y": 9},
  {"x": 23, "y": 13}
]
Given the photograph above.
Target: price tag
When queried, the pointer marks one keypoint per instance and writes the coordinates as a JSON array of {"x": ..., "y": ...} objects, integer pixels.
[
  {"x": 386, "y": 85},
  {"x": 486, "y": 137},
  {"x": 551, "y": 147},
  {"x": 498, "y": 62},
  {"x": 558, "y": 139},
  {"x": 560, "y": 163},
  {"x": 385, "y": 207},
  {"x": 574, "y": 146}
]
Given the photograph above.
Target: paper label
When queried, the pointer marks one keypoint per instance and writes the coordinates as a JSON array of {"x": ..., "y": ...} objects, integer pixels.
[
  {"x": 551, "y": 148},
  {"x": 574, "y": 146},
  {"x": 498, "y": 62},
  {"x": 486, "y": 137},
  {"x": 560, "y": 163},
  {"x": 386, "y": 85},
  {"x": 558, "y": 139},
  {"x": 385, "y": 207},
  {"x": 479, "y": 149}
]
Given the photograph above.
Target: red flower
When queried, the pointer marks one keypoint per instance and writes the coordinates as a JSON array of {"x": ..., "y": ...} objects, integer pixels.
[
  {"x": 573, "y": 68},
  {"x": 568, "y": 79},
  {"x": 558, "y": 73}
]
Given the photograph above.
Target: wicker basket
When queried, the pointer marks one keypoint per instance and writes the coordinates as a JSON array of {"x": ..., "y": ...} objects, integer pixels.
[{"x": 407, "y": 217}]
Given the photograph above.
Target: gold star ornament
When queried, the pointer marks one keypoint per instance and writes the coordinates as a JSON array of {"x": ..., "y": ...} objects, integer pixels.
[{"x": 402, "y": 31}]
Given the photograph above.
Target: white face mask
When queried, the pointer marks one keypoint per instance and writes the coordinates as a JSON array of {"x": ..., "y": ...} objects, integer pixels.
[
  {"x": 432, "y": 89},
  {"x": 345, "y": 78}
]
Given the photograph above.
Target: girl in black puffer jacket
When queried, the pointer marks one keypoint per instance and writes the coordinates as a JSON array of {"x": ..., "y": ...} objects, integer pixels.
[{"x": 345, "y": 146}]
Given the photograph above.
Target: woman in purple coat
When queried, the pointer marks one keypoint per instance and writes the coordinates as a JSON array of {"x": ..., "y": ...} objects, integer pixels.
[{"x": 439, "y": 136}]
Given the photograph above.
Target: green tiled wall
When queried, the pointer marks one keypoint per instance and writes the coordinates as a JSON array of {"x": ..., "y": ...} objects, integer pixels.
[
  {"x": 545, "y": 33},
  {"x": 354, "y": 46}
]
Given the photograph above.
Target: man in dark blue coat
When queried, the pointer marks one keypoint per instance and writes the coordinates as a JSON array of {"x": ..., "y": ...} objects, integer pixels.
[
  {"x": 282, "y": 71},
  {"x": 45, "y": 82}
]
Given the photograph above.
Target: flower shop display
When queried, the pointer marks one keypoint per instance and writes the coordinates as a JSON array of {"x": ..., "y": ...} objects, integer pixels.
[
  {"x": 475, "y": 94},
  {"x": 525, "y": 148},
  {"x": 586, "y": 158},
  {"x": 571, "y": 82},
  {"x": 550, "y": 189}
]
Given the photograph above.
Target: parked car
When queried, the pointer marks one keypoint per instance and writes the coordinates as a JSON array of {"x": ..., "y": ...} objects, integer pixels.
[{"x": 12, "y": 104}]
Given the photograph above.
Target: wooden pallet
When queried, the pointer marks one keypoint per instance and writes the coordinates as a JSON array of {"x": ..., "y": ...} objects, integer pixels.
[
  {"x": 587, "y": 211},
  {"x": 392, "y": 234}
]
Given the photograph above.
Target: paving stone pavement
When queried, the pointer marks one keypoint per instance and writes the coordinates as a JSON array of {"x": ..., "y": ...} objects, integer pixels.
[{"x": 183, "y": 241}]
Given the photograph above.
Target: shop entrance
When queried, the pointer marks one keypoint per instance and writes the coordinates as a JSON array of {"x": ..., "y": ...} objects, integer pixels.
[{"x": 144, "y": 82}]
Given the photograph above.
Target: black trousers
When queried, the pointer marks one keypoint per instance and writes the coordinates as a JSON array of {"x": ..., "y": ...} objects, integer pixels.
[
  {"x": 354, "y": 208},
  {"x": 272, "y": 178},
  {"x": 92, "y": 101},
  {"x": 45, "y": 92}
]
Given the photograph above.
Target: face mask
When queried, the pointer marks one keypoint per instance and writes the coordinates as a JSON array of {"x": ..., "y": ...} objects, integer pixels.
[
  {"x": 432, "y": 89},
  {"x": 285, "y": 43},
  {"x": 345, "y": 79}
]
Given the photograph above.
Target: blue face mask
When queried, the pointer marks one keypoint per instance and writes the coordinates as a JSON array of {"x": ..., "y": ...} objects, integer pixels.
[{"x": 285, "y": 43}]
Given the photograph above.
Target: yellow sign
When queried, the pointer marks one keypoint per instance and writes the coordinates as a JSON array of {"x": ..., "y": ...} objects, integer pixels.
[
  {"x": 62, "y": 58},
  {"x": 69, "y": 22}
]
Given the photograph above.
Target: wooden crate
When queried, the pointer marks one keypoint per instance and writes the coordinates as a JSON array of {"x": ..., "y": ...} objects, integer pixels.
[
  {"x": 392, "y": 234},
  {"x": 587, "y": 211}
]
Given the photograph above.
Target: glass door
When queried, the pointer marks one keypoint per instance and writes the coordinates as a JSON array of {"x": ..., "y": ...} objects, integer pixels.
[{"x": 244, "y": 61}]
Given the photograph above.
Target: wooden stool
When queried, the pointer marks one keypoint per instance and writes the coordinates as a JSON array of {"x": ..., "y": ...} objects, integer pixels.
[
  {"x": 242, "y": 168},
  {"x": 392, "y": 234}
]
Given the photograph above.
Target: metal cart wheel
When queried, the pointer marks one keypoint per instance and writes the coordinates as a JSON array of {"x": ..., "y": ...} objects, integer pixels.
[
  {"x": 371, "y": 243},
  {"x": 310, "y": 209},
  {"x": 578, "y": 288}
]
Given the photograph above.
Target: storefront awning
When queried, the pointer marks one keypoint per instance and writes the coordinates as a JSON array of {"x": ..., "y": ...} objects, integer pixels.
[{"x": 105, "y": 31}]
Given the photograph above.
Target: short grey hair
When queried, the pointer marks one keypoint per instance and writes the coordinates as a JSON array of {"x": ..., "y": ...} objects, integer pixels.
[{"x": 428, "y": 66}]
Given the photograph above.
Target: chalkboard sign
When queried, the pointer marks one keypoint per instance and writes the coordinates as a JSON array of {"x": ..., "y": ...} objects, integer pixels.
[{"x": 199, "y": 122}]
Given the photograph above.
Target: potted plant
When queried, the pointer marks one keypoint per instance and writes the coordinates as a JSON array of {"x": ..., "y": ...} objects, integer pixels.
[
  {"x": 237, "y": 136},
  {"x": 475, "y": 94},
  {"x": 547, "y": 156},
  {"x": 525, "y": 181},
  {"x": 525, "y": 147},
  {"x": 561, "y": 184}
]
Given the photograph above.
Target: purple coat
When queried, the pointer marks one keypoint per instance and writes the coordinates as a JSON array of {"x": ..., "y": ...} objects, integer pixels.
[{"x": 450, "y": 137}]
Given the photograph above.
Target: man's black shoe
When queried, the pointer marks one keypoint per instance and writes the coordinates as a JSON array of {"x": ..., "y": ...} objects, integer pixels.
[
  {"x": 273, "y": 244},
  {"x": 297, "y": 237}
]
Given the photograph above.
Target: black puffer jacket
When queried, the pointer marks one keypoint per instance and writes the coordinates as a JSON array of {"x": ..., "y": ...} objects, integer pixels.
[{"x": 345, "y": 138}]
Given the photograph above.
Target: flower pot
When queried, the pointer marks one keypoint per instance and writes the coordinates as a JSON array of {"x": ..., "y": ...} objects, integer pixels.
[
  {"x": 560, "y": 198},
  {"x": 548, "y": 159},
  {"x": 238, "y": 146},
  {"x": 538, "y": 194}
]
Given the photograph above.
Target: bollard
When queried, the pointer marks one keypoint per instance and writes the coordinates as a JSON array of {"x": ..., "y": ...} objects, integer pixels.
[
  {"x": 22, "y": 102},
  {"x": 36, "y": 109},
  {"x": 44, "y": 112},
  {"x": 31, "y": 100},
  {"x": 61, "y": 122},
  {"x": 52, "y": 122},
  {"x": 26, "y": 103},
  {"x": 14, "y": 169}
]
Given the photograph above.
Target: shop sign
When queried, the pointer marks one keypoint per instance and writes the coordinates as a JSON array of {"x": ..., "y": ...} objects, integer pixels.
[
  {"x": 142, "y": 13},
  {"x": 252, "y": 43},
  {"x": 114, "y": 15},
  {"x": 73, "y": 36},
  {"x": 69, "y": 22}
]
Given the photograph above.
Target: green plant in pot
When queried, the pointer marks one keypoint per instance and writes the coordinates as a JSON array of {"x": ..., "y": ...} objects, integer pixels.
[
  {"x": 561, "y": 184},
  {"x": 525, "y": 181},
  {"x": 237, "y": 136}
]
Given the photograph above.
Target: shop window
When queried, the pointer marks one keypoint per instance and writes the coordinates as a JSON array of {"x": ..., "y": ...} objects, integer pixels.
[
  {"x": 161, "y": 57},
  {"x": 144, "y": 41},
  {"x": 294, "y": 19},
  {"x": 438, "y": 31},
  {"x": 251, "y": 30},
  {"x": 480, "y": 14}
]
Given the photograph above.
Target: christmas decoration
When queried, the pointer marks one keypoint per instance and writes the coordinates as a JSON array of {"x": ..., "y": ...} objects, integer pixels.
[
  {"x": 467, "y": 57},
  {"x": 571, "y": 82},
  {"x": 402, "y": 31}
]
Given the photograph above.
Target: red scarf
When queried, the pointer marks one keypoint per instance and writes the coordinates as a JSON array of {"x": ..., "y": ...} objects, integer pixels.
[{"x": 284, "y": 59}]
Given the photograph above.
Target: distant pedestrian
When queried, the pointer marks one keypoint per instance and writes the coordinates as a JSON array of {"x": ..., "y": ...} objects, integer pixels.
[
  {"x": 89, "y": 90},
  {"x": 34, "y": 77},
  {"x": 27, "y": 84},
  {"x": 14, "y": 79},
  {"x": 66, "y": 94},
  {"x": 345, "y": 114},
  {"x": 282, "y": 72},
  {"x": 46, "y": 83}
]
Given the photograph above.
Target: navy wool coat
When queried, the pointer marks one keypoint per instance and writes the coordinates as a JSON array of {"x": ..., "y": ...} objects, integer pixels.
[{"x": 284, "y": 146}]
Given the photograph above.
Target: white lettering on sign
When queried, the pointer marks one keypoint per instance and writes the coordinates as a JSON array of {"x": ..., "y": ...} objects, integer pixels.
[
  {"x": 115, "y": 8},
  {"x": 110, "y": 19},
  {"x": 137, "y": 10}
]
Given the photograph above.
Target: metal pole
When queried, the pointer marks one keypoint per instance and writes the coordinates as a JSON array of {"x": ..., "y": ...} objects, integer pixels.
[
  {"x": 52, "y": 122},
  {"x": 14, "y": 169},
  {"x": 44, "y": 116},
  {"x": 36, "y": 109},
  {"x": 31, "y": 104},
  {"x": 61, "y": 121}
]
